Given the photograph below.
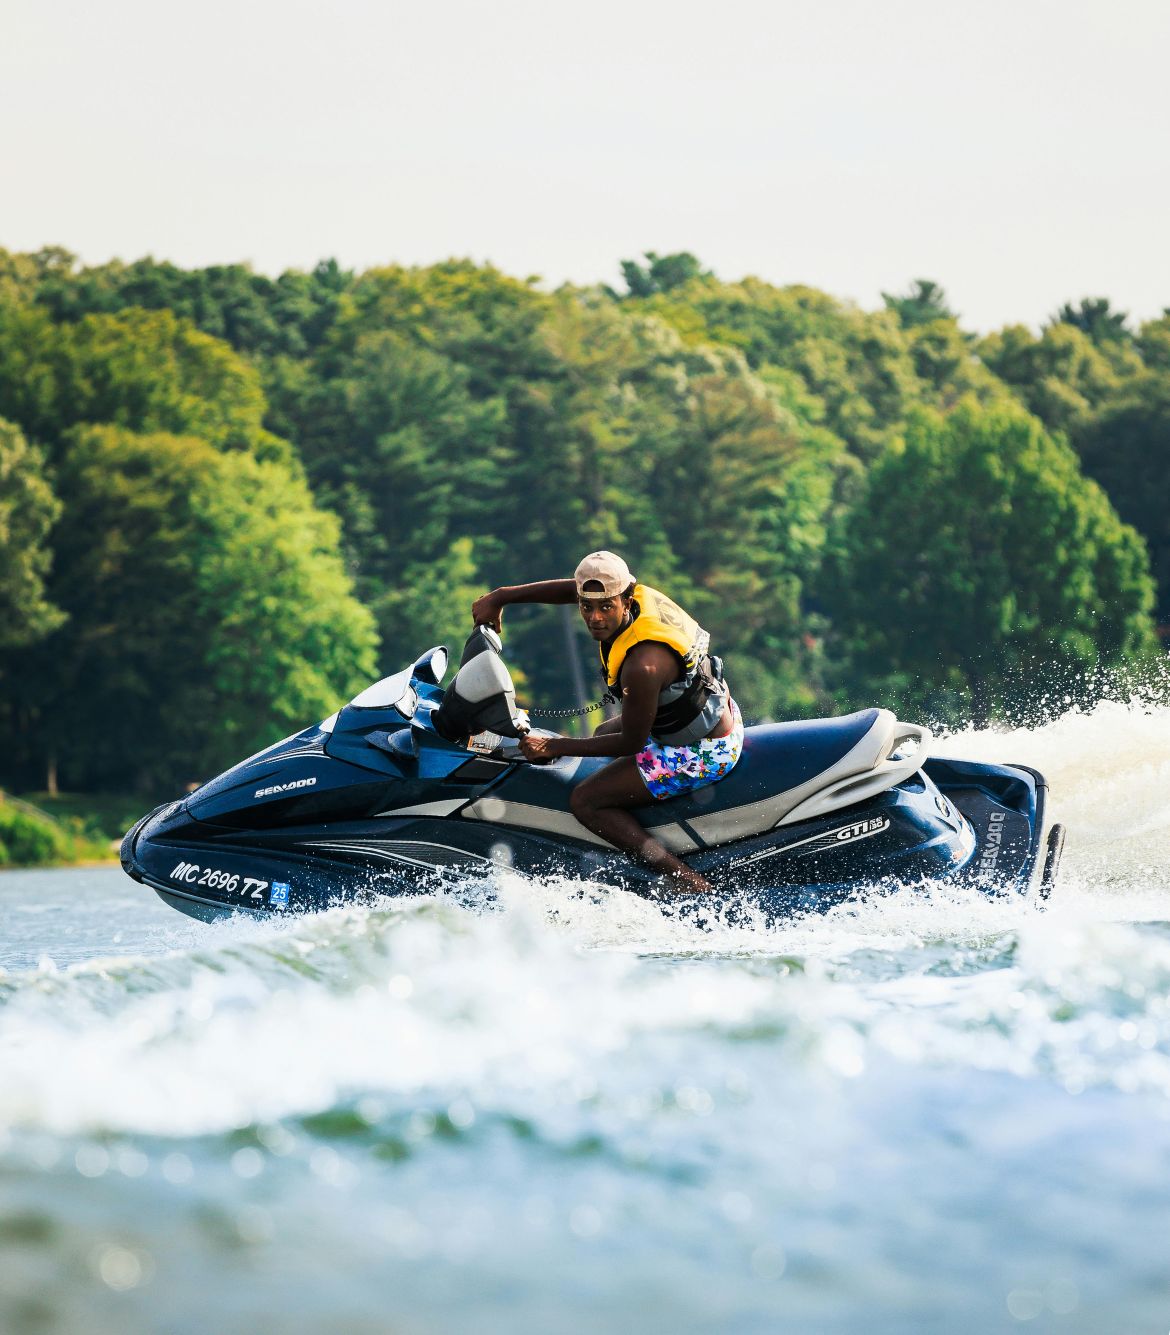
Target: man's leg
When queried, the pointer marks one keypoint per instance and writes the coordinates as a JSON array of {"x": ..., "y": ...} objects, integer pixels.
[{"x": 601, "y": 804}]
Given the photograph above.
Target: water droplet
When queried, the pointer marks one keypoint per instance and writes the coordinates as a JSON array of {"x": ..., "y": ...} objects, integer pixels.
[
  {"x": 769, "y": 1262},
  {"x": 248, "y": 1162},
  {"x": 92, "y": 1160},
  {"x": 1025, "y": 1304},
  {"x": 371, "y": 1110},
  {"x": 694, "y": 1099},
  {"x": 118, "y": 1268},
  {"x": 737, "y": 1207},
  {"x": 822, "y": 1176},
  {"x": 177, "y": 1168},
  {"x": 276, "y": 1139},
  {"x": 585, "y": 1221},
  {"x": 1062, "y": 1296},
  {"x": 131, "y": 1162},
  {"x": 421, "y": 1124},
  {"x": 254, "y": 1225},
  {"x": 844, "y": 1052},
  {"x": 460, "y": 1114},
  {"x": 325, "y": 1164}
]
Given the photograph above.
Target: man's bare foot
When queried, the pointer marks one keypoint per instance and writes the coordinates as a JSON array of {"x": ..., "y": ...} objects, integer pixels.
[{"x": 685, "y": 881}]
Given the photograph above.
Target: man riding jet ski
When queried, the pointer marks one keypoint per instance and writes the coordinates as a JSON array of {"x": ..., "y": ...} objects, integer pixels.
[
  {"x": 412, "y": 787},
  {"x": 679, "y": 729}
]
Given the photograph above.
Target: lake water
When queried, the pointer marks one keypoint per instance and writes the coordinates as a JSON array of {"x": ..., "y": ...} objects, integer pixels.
[{"x": 927, "y": 1112}]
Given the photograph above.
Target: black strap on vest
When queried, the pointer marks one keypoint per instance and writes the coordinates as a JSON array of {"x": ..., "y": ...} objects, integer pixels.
[{"x": 704, "y": 682}]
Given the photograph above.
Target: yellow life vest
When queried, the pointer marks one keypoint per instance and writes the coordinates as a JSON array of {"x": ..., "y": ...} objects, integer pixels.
[{"x": 663, "y": 622}]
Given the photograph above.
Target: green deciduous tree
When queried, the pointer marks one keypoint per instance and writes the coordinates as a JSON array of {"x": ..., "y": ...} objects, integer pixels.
[
  {"x": 923, "y": 303},
  {"x": 265, "y": 316},
  {"x": 948, "y": 368},
  {"x": 1063, "y": 377},
  {"x": 978, "y": 555},
  {"x": 744, "y": 491},
  {"x": 1127, "y": 450},
  {"x": 428, "y": 603},
  {"x": 209, "y": 613},
  {"x": 1153, "y": 342},
  {"x": 1096, "y": 317},
  {"x": 28, "y": 509},
  {"x": 661, "y": 273},
  {"x": 22, "y": 275},
  {"x": 142, "y": 370},
  {"x": 477, "y": 316},
  {"x": 577, "y": 474},
  {"x": 702, "y": 473},
  {"x": 402, "y": 449},
  {"x": 859, "y": 365}
]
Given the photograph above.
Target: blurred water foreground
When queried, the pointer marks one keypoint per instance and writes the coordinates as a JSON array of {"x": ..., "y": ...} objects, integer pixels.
[{"x": 578, "y": 1112}]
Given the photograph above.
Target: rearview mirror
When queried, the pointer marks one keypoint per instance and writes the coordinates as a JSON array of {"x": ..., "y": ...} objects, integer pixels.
[{"x": 431, "y": 666}]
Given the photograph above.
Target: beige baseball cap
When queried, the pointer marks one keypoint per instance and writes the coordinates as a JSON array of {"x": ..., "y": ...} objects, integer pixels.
[{"x": 610, "y": 571}]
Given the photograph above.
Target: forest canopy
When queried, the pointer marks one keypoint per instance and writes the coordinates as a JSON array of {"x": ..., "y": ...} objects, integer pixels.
[{"x": 228, "y": 501}]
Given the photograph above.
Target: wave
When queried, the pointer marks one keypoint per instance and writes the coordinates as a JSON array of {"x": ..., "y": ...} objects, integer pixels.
[{"x": 526, "y": 1013}]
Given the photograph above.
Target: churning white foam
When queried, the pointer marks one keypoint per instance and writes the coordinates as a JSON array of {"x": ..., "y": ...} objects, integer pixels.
[{"x": 1108, "y": 770}]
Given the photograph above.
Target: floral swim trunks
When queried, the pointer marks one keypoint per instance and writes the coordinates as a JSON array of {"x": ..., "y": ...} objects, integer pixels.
[{"x": 668, "y": 771}]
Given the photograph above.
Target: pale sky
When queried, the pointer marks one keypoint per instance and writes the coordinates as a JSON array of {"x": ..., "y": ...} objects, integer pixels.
[{"x": 1016, "y": 151}]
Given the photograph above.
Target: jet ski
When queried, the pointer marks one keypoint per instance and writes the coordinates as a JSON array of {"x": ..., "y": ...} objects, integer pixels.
[{"x": 411, "y": 787}]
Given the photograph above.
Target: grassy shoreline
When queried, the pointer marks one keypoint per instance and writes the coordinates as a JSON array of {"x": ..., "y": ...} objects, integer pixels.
[{"x": 63, "y": 830}]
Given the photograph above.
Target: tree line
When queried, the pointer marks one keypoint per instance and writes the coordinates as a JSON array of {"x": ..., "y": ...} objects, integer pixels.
[{"x": 228, "y": 501}]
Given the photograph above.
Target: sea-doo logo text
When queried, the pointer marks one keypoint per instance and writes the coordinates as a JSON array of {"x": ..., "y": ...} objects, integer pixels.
[
  {"x": 990, "y": 855},
  {"x": 286, "y": 787}
]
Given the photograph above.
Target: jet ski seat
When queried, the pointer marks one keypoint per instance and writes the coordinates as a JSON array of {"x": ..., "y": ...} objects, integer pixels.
[
  {"x": 787, "y": 772},
  {"x": 791, "y": 771}
]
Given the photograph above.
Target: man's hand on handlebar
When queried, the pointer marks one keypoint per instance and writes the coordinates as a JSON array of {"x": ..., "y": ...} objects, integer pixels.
[
  {"x": 538, "y": 749},
  {"x": 486, "y": 611}
]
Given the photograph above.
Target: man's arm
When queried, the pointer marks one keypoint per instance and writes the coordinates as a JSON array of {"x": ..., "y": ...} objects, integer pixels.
[
  {"x": 647, "y": 669},
  {"x": 486, "y": 610}
]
